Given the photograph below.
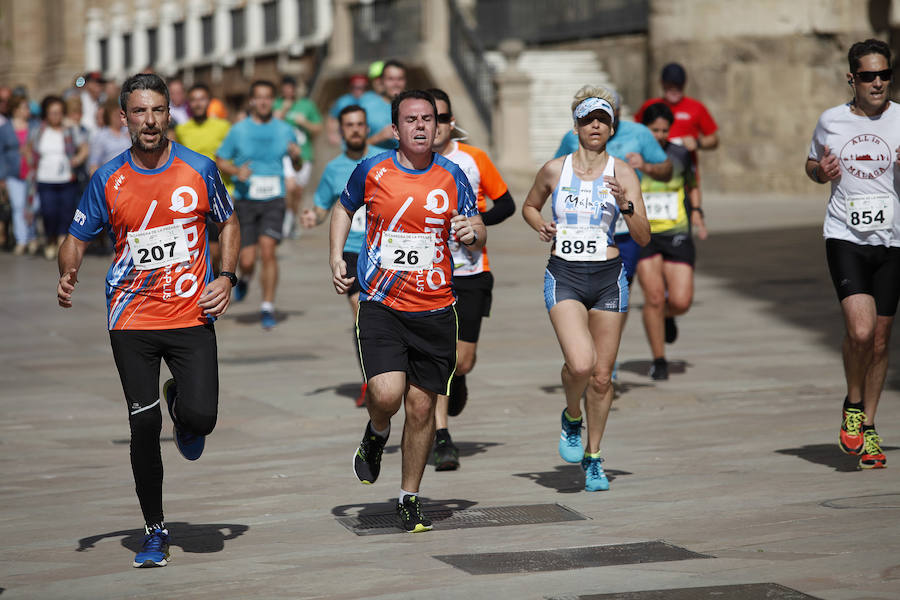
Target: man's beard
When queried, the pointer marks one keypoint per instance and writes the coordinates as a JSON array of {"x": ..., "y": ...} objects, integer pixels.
[
  {"x": 137, "y": 143},
  {"x": 354, "y": 146}
]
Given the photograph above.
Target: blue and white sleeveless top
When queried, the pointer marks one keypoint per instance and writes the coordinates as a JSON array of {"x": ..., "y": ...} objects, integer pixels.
[{"x": 584, "y": 213}]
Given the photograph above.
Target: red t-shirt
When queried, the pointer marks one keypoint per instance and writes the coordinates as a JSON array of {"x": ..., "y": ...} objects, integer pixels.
[{"x": 691, "y": 117}]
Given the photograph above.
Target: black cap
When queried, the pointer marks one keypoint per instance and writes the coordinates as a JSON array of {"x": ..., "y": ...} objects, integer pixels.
[{"x": 674, "y": 73}]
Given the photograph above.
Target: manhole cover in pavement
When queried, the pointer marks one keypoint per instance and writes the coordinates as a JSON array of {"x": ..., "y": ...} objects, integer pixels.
[
  {"x": 445, "y": 518},
  {"x": 564, "y": 559},
  {"x": 873, "y": 501},
  {"x": 748, "y": 591}
]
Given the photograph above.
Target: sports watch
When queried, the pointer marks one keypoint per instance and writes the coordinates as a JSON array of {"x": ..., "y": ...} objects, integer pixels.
[
  {"x": 629, "y": 210},
  {"x": 231, "y": 277}
]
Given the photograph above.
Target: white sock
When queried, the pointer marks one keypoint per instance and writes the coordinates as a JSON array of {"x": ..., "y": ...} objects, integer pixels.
[
  {"x": 404, "y": 494},
  {"x": 383, "y": 433},
  {"x": 267, "y": 307}
]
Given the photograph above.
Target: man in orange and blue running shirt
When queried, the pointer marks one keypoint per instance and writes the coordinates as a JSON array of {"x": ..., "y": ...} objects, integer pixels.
[
  {"x": 161, "y": 295},
  {"x": 473, "y": 281},
  {"x": 415, "y": 202}
]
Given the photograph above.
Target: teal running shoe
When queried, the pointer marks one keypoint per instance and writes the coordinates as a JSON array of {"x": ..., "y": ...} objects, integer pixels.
[
  {"x": 594, "y": 478},
  {"x": 570, "y": 448}
]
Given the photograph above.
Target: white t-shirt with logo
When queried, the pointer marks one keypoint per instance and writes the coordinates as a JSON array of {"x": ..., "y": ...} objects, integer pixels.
[{"x": 863, "y": 206}]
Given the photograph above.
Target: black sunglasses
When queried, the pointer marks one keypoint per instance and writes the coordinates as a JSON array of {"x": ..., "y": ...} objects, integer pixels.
[
  {"x": 444, "y": 118},
  {"x": 869, "y": 76}
]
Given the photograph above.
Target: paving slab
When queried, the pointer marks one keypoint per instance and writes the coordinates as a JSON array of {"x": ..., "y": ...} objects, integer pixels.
[{"x": 734, "y": 458}]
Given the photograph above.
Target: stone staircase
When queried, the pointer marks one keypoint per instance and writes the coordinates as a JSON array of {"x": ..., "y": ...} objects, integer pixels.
[{"x": 556, "y": 76}]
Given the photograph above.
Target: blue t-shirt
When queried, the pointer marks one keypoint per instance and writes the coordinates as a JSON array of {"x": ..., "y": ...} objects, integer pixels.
[
  {"x": 334, "y": 179},
  {"x": 262, "y": 146},
  {"x": 629, "y": 137},
  {"x": 378, "y": 113}
]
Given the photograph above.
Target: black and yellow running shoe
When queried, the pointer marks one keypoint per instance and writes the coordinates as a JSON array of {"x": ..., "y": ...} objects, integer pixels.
[
  {"x": 367, "y": 459},
  {"x": 412, "y": 519}
]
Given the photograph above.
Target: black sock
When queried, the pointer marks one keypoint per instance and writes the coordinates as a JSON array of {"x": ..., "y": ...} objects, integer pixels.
[
  {"x": 442, "y": 435},
  {"x": 868, "y": 427},
  {"x": 848, "y": 404},
  {"x": 659, "y": 361}
]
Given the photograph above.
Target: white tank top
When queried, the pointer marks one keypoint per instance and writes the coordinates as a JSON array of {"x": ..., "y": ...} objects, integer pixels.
[{"x": 584, "y": 213}]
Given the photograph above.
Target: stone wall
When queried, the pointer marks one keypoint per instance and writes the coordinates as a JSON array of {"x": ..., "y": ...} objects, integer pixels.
[{"x": 765, "y": 70}]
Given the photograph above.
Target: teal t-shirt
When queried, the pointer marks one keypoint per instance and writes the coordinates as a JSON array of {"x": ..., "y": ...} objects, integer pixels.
[
  {"x": 261, "y": 146},
  {"x": 334, "y": 179}
]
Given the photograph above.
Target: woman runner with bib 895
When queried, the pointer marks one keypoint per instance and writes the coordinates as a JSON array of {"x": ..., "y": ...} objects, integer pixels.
[{"x": 584, "y": 285}]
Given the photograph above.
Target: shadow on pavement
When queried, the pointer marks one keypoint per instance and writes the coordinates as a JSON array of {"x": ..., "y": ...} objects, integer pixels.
[
  {"x": 642, "y": 367},
  {"x": 252, "y": 318},
  {"x": 199, "y": 538},
  {"x": 829, "y": 455},
  {"x": 566, "y": 479},
  {"x": 347, "y": 390},
  {"x": 437, "y": 510},
  {"x": 786, "y": 268},
  {"x": 467, "y": 449}
]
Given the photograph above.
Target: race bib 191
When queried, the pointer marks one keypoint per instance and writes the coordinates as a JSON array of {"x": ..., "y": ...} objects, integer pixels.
[
  {"x": 264, "y": 187},
  {"x": 661, "y": 206},
  {"x": 158, "y": 247},
  {"x": 580, "y": 242},
  {"x": 407, "y": 251},
  {"x": 870, "y": 212}
]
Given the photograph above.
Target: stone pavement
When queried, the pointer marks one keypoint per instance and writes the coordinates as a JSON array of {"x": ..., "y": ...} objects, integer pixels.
[{"x": 728, "y": 474}]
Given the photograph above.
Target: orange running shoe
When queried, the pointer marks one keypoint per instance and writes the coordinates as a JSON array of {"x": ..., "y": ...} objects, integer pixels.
[
  {"x": 872, "y": 457},
  {"x": 851, "y": 439}
]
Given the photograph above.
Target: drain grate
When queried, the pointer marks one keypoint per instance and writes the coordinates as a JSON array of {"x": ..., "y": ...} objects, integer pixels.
[
  {"x": 749, "y": 591},
  {"x": 565, "y": 559},
  {"x": 446, "y": 518}
]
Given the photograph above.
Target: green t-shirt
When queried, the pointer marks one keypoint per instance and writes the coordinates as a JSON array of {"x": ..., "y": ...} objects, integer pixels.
[{"x": 307, "y": 108}]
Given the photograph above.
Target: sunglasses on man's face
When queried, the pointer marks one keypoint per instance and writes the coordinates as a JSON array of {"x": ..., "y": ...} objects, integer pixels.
[
  {"x": 869, "y": 76},
  {"x": 444, "y": 118}
]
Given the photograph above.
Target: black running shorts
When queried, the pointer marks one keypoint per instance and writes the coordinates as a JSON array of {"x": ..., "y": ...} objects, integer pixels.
[
  {"x": 259, "y": 217},
  {"x": 674, "y": 248},
  {"x": 597, "y": 285},
  {"x": 350, "y": 258},
  {"x": 871, "y": 270},
  {"x": 473, "y": 302},
  {"x": 423, "y": 345}
]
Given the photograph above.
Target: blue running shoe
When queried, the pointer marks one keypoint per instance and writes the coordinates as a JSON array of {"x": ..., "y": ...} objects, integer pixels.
[
  {"x": 240, "y": 290},
  {"x": 615, "y": 373},
  {"x": 570, "y": 440},
  {"x": 594, "y": 478},
  {"x": 155, "y": 550},
  {"x": 190, "y": 445},
  {"x": 267, "y": 319}
]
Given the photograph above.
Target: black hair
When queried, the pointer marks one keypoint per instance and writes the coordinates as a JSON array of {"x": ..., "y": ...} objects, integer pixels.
[
  {"x": 393, "y": 63},
  {"x": 200, "y": 86},
  {"x": 870, "y": 46},
  {"x": 350, "y": 109},
  {"x": 48, "y": 101},
  {"x": 142, "y": 81},
  {"x": 289, "y": 80},
  {"x": 440, "y": 94},
  {"x": 656, "y": 111},
  {"x": 410, "y": 94},
  {"x": 262, "y": 83}
]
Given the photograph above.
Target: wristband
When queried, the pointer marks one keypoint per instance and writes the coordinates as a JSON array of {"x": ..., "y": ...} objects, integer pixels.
[
  {"x": 474, "y": 239},
  {"x": 815, "y": 174},
  {"x": 698, "y": 209}
]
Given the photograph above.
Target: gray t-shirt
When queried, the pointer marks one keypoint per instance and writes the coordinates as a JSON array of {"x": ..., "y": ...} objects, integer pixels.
[{"x": 863, "y": 205}]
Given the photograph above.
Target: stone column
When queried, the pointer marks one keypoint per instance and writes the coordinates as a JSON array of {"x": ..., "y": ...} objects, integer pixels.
[
  {"x": 116, "y": 46},
  {"x": 93, "y": 33},
  {"x": 288, "y": 22},
  {"x": 193, "y": 31},
  {"x": 140, "y": 43},
  {"x": 340, "y": 52},
  {"x": 165, "y": 60},
  {"x": 255, "y": 25},
  {"x": 512, "y": 114}
]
